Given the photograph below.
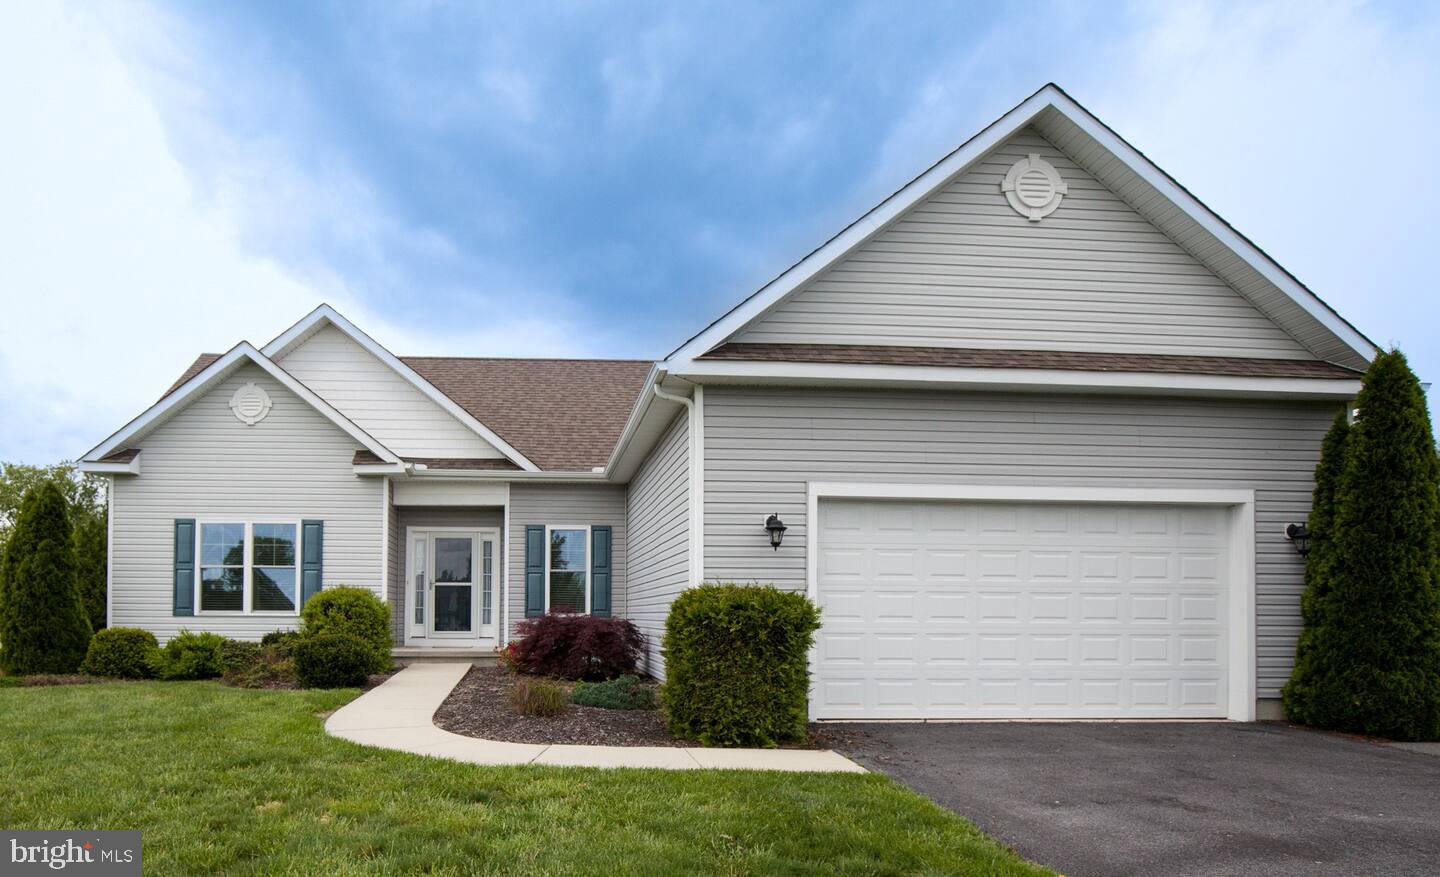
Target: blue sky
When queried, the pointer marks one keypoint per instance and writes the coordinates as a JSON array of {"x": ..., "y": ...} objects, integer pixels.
[{"x": 594, "y": 179}]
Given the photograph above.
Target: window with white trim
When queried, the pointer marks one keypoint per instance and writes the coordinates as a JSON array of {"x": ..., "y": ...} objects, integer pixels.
[
  {"x": 248, "y": 567},
  {"x": 568, "y": 569}
]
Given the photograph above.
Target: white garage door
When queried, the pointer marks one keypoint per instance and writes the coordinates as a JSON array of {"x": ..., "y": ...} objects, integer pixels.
[{"x": 1014, "y": 610}]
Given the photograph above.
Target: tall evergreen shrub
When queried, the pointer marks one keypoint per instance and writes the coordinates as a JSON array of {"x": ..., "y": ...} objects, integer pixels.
[
  {"x": 1376, "y": 653},
  {"x": 43, "y": 624},
  {"x": 1299, "y": 692}
]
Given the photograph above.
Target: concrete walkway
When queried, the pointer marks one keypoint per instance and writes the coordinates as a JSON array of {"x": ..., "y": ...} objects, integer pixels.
[{"x": 398, "y": 713}]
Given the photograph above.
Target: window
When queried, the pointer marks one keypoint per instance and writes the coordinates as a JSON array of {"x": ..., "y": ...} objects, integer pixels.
[
  {"x": 569, "y": 569},
  {"x": 263, "y": 579}
]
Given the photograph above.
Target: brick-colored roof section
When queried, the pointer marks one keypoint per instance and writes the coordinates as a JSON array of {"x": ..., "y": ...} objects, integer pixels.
[
  {"x": 562, "y": 414},
  {"x": 473, "y": 464},
  {"x": 124, "y": 456},
  {"x": 365, "y": 458},
  {"x": 958, "y": 357}
]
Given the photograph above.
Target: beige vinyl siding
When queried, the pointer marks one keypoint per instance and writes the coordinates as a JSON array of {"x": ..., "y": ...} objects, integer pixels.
[
  {"x": 963, "y": 269},
  {"x": 203, "y": 463},
  {"x": 588, "y": 505},
  {"x": 418, "y": 517},
  {"x": 379, "y": 400},
  {"x": 659, "y": 536},
  {"x": 762, "y": 447}
]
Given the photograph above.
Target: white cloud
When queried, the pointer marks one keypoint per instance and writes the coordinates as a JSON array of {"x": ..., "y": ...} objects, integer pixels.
[{"x": 121, "y": 263}]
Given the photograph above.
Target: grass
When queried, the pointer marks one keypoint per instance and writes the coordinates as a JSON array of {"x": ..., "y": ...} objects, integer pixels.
[{"x": 234, "y": 781}]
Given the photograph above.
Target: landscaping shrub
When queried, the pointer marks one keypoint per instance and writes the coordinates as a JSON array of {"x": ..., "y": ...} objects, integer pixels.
[
  {"x": 354, "y": 612},
  {"x": 282, "y": 641},
  {"x": 1372, "y": 665},
  {"x": 121, "y": 652},
  {"x": 190, "y": 656},
  {"x": 268, "y": 667},
  {"x": 735, "y": 664},
  {"x": 574, "y": 646},
  {"x": 537, "y": 697},
  {"x": 621, "y": 693},
  {"x": 236, "y": 653},
  {"x": 44, "y": 627},
  {"x": 333, "y": 660}
]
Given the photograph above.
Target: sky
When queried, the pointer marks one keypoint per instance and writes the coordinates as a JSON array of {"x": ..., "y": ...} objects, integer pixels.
[{"x": 603, "y": 179}]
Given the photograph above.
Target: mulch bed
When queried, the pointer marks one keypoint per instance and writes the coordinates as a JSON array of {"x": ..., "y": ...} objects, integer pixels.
[{"x": 480, "y": 707}]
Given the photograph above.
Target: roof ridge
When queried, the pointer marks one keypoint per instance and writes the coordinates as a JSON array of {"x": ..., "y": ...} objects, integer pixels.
[{"x": 527, "y": 358}]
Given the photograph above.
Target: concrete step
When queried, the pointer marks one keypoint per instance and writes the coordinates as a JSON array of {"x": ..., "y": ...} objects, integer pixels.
[{"x": 407, "y": 655}]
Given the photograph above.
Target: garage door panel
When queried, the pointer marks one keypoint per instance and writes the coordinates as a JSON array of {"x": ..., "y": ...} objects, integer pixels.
[{"x": 954, "y": 610}]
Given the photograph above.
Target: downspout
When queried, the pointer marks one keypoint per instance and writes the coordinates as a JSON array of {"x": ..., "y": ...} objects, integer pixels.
[{"x": 695, "y": 460}]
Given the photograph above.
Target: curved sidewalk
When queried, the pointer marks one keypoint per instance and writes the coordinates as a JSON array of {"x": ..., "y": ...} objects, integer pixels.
[{"x": 398, "y": 715}]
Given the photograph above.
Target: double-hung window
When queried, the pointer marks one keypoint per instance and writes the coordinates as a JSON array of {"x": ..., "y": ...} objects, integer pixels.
[
  {"x": 249, "y": 567},
  {"x": 568, "y": 569}
]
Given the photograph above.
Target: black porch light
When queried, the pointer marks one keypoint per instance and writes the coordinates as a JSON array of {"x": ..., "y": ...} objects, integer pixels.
[
  {"x": 1299, "y": 536},
  {"x": 776, "y": 528}
]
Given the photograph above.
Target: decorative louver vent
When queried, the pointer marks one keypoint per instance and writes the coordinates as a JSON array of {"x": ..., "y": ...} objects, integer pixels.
[
  {"x": 250, "y": 404},
  {"x": 1034, "y": 188}
]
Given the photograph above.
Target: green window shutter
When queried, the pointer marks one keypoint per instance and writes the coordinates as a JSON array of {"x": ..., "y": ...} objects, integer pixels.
[
  {"x": 534, "y": 570},
  {"x": 312, "y": 559},
  {"x": 184, "y": 603},
  {"x": 600, "y": 571}
]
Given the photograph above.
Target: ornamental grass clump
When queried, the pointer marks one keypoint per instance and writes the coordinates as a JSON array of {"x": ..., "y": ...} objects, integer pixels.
[
  {"x": 537, "y": 697},
  {"x": 735, "y": 663}
]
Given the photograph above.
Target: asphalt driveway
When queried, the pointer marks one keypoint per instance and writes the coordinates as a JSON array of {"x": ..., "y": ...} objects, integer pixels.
[{"x": 1107, "y": 800}]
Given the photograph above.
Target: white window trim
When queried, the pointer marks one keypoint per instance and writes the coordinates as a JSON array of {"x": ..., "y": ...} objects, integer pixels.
[
  {"x": 248, "y": 597},
  {"x": 1241, "y": 656},
  {"x": 589, "y": 547}
]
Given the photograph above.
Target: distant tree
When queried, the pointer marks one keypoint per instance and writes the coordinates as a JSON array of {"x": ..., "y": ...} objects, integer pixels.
[
  {"x": 43, "y": 624},
  {"x": 1376, "y": 653},
  {"x": 85, "y": 499},
  {"x": 1299, "y": 691}
]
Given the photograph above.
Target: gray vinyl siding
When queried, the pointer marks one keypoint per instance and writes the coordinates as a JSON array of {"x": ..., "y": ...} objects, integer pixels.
[
  {"x": 659, "y": 536},
  {"x": 763, "y": 445},
  {"x": 963, "y": 269},
  {"x": 588, "y": 505},
  {"x": 203, "y": 463},
  {"x": 403, "y": 517}
]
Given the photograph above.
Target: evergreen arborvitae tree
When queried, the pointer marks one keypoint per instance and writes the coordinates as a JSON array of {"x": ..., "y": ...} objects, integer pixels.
[
  {"x": 43, "y": 624},
  {"x": 90, "y": 567},
  {"x": 1376, "y": 654},
  {"x": 1319, "y": 572}
]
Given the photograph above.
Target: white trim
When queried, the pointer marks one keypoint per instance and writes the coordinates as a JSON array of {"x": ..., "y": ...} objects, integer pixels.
[
  {"x": 939, "y": 174},
  {"x": 367, "y": 469},
  {"x": 213, "y": 374},
  {"x": 385, "y": 540},
  {"x": 248, "y": 567},
  {"x": 715, "y": 371},
  {"x": 110, "y": 552},
  {"x": 112, "y": 469},
  {"x": 697, "y": 488},
  {"x": 588, "y": 529},
  {"x": 301, "y": 330},
  {"x": 504, "y": 619},
  {"x": 1242, "y": 656}
]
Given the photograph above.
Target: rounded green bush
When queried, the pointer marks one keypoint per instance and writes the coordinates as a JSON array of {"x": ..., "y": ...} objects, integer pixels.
[
  {"x": 735, "y": 664},
  {"x": 333, "y": 660},
  {"x": 353, "y": 612},
  {"x": 191, "y": 656},
  {"x": 121, "y": 652}
]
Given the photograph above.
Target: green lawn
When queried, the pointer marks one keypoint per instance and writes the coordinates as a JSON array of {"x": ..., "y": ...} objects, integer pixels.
[{"x": 247, "y": 782}]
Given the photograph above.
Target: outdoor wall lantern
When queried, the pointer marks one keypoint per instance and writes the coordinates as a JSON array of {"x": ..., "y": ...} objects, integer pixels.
[
  {"x": 1299, "y": 536},
  {"x": 776, "y": 528}
]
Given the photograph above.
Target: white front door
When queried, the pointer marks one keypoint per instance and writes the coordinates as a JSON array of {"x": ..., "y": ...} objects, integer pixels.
[
  {"x": 956, "y": 610},
  {"x": 452, "y": 577}
]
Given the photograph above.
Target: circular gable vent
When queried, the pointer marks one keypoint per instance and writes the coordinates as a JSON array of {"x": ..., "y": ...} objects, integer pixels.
[
  {"x": 1033, "y": 187},
  {"x": 250, "y": 404}
]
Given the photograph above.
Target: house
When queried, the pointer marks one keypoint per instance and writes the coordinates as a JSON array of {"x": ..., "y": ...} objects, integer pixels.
[{"x": 1036, "y": 425}]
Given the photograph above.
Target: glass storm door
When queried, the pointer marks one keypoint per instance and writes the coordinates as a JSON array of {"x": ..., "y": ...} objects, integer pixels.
[{"x": 453, "y": 576}]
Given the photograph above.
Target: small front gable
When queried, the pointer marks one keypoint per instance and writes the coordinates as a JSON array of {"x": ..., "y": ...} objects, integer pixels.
[
  {"x": 378, "y": 399},
  {"x": 962, "y": 268}
]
